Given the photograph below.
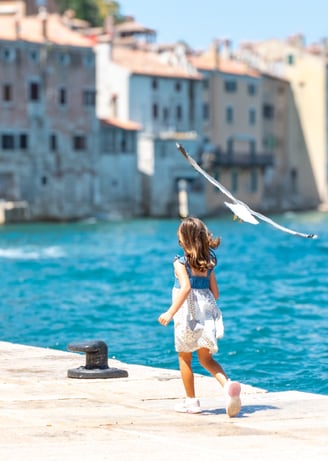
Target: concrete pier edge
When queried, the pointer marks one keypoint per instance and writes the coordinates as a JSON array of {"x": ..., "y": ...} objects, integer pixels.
[{"x": 47, "y": 416}]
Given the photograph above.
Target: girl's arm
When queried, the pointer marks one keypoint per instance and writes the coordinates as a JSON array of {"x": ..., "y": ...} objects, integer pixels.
[
  {"x": 181, "y": 273},
  {"x": 214, "y": 285}
]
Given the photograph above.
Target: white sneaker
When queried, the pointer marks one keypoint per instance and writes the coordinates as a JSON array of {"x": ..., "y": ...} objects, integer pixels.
[
  {"x": 190, "y": 405},
  {"x": 232, "y": 391}
]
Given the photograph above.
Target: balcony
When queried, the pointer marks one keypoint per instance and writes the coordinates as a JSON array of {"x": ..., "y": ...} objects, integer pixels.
[{"x": 237, "y": 159}]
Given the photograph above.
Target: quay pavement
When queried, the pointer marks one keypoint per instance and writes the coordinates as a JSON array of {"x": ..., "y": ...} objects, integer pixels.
[{"x": 46, "y": 416}]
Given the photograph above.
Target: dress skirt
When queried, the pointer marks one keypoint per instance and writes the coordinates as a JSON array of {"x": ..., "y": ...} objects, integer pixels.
[{"x": 198, "y": 323}]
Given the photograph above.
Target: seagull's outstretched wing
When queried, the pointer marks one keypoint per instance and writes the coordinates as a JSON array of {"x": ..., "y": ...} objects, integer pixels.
[
  {"x": 283, "y": 228},
  {"x": 239, "y": 208},
  {"x": 200, "y": 170}
]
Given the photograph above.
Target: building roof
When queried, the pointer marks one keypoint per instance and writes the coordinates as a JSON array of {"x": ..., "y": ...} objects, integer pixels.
[
  {"x": 210, "y": 61},
  {"x": 30, "y": 29},
  {"x": 147, "y": 62},
  {"x": 130, "y": 26},
  {"x": 128, "y": 125}
]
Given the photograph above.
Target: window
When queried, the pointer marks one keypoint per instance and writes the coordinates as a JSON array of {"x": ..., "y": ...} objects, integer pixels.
[
  {"x": 53, "y": 142},
  {"x": 114, "y": 104},
  {"x": 252, "y": 116},
  {"x": 179, "y": 112},
  {"x": 154, "y": 84},
  {"x": 229, "y": 114},
  {"x": 34, "y": 56},
  {"x": 251, "y": 89},
  {"x": 88, "y": 60},
  {"x": 79, "y": 142},
  {"x": 163, "y": 150},
  {"x": 206, "y": 111},
  {"x": 34, "y": 91},
  {"x": 89, "y": 98},
  {"x": 268, "y": 111},
  {"x": 206, "y": 84},
  {"x": 290, "y": 59},
  {"x": 177, "y": 86},
  {"x": 64, "y": 59},
  {"x": 7, "y": 92},
  {"x": 230, "y": 86},
  {"x": 23, "y": 141},
  {"x": 155, "y": 111},
  {"x": 123, "y": 142},
  {"x": 62, "y": 96},
  {"x": 252, "y": 147},
  {"x": 8, "y": 54},
  {"x": 165, "y": 114},
  {"x": 270, "y": 142},
  {"x": 230, "y": 146},
  {"x": 294, "y": 180},
  {"x": 254, "y": 181},
  {"x": 8, "y": 142},
  {"x": 108, "y": 139},
  {"x": 234, "y": 181}
]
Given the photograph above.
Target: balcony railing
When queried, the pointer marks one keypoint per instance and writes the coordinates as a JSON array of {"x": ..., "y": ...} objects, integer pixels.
[{"x": 237, "y": 159}]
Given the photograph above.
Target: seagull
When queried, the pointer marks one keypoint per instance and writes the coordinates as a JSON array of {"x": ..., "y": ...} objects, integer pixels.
[{"x": 240, "y": 209}]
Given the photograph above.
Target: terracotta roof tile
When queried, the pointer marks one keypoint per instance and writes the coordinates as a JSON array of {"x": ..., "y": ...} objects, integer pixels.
[
  {"x": 123, "y": 124},
  {"x": 207, "y": 61},
  {"x": 152, "y": 63},
  {"x": 132, "y": 26},
  {"x": 30, "y": 30}
]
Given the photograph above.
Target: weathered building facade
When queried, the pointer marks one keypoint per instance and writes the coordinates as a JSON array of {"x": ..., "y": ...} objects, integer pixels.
[
  {"x": 233, "y": 128},
  {"x": 89, "y": 125},
  {"x": 48, "y": 124},
  {"x": 55, "y": 154},
  {"x": 306, "y": 154},
  {"x": 161, "y": 91}
]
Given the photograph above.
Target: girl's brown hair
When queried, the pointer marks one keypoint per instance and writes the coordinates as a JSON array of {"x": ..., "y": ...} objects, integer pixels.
[{"x": 197, "y": 242}]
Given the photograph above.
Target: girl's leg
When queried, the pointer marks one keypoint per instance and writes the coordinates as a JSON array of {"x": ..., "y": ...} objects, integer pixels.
[
  {"x": 212, "y": 366},
  {"x": 187, "y": 375},
  {"x": 231, "y": 389}
]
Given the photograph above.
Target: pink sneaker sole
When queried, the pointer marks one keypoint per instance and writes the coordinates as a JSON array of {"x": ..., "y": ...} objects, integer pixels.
[{"x": 233, "y": 403}]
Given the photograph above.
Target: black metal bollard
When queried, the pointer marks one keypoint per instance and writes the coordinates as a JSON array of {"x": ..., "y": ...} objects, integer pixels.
[{"x": 96, "y": 365}]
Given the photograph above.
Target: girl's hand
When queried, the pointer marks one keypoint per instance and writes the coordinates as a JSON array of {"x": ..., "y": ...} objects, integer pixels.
[{"x": 165, "y": 318}]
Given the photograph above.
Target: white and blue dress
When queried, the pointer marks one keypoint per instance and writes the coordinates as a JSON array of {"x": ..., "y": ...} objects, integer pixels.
[{"x": 198, "y": 323}]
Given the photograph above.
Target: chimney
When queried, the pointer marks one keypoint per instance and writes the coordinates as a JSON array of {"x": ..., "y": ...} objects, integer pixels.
[
  {"x": 43, "y": 15},
  {"x": 109, "y": 27},
  {"x": 226, "y": 50},
  {"x": 17, "y": 26},
  {"x": 215, "y": 51}
]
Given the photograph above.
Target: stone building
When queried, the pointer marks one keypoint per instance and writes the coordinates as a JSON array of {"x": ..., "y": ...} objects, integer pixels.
[
  {"x": 48, "y": 124},
  {"x": 90, "y": 119},
  {"x": 55, "y": 154},
  {"x": 118, "y": 177},
  {"x": 233, "y": 128},
  {"x": 292, "y": 184},
  {"x": 161, "y": 91},
  {"x": 305, "y": 69}
]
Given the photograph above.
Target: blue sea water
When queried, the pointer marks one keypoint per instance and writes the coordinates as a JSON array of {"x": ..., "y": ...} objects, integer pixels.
[{"x": 63, "y": 283}]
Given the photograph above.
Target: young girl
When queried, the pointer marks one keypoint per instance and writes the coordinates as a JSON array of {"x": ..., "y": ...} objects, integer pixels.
[{"x": 197, "y": 319}]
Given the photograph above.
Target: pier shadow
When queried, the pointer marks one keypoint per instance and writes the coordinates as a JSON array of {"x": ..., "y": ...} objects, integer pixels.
[{"x": 245, "y": 411}]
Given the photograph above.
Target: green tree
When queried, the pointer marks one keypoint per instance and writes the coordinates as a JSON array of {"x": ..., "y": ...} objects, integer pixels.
[{"x": 93, "y": 11}]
